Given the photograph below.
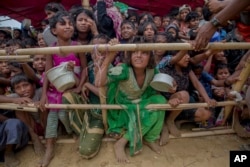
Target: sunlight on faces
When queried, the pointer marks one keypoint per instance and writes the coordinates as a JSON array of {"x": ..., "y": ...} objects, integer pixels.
[
  {"x": 25, "y": 89},
  {"x": 140, "y": 59},
  {"x": 222, "y": 73},
  {"x": 82, "y": 23}
]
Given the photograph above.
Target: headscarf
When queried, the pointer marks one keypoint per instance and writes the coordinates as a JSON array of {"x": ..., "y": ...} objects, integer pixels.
[{"x": 115, "y": 15}]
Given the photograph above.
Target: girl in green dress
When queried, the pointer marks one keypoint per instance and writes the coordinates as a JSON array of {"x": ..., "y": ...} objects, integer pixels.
[{"x": 128, "y": 85}]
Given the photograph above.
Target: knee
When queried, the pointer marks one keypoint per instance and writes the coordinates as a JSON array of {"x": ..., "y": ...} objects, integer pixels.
[{"x": 13, "y": 124}]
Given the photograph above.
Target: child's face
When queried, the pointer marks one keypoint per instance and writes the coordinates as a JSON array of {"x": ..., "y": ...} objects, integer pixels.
[
  {"x": 49, "y": 14},
  {"x": 25, "y": 89},
  {"x": 143, "y": 19},
  {"x": 99, "y": 56},
  {"x": 222, "y": 73},
  {"x": 220, "y": 56},
  {"x": 127, "y": 31},
  {"x": 40, "y": 40},
  {"x": 194, "y": 23},
  {"x": 165, "y": 21},
  {"x": 173, "y": 32},
  {"x": 199, "y": 11},
  {"x": 16, "y": 34},
  {"x": 132, "y": 19},
  {"x": 183, "y": 14},
  {"x": 198, "y": 72},
  {"x": 39, "y": 62},
  {"x": 4, "y": 68},
  {"x": 184, "y": 61},
  {"x": 82, "y": 23},
  {"x": 160, "y": 39},
  {"x": 14, "y": 70},
  {"x": 140, "y": 59},
  {"x": 157, "y": 21},
  {"x": 149, "y": 33},
  {"x": 64, "y": 29}
]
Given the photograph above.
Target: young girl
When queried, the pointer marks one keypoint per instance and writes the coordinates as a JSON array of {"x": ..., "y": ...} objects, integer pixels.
[
  {"x": 85, "y": 25},
  {"x": 129, "y": 84},
  {"x": 178, "y": 67},
  {"x": 148, "y": 31},
  {"x": 90, "y": 130},
  {"x": 62, "y": 27}
]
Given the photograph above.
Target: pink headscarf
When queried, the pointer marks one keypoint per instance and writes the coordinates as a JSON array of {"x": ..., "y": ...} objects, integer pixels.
[{"x": 115, "y": 15}]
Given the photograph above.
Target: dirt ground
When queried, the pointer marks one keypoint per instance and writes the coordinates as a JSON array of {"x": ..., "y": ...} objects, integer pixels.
[{"x": 183, "y": 152}]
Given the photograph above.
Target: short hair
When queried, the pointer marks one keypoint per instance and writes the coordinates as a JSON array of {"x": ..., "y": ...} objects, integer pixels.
[
  {"x": 219, "y": 67},
  {"x": 128, "y": 54},
  {"x": 13, "y": 42},
  {"x": 191, "y": 15},
  {"x": 54, "y": 7},
  {"x": 101, "y": 36},
  {"x": 128, "y": 22},
  {"x": 58, "y": 17},
  {"x": 20, "y": 78}
]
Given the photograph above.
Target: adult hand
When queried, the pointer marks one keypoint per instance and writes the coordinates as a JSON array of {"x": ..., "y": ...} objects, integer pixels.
[
  {"x": 203, "y": 36},
  {"x": 92, "y": 25},
  {"x": 215, "y": 6}
]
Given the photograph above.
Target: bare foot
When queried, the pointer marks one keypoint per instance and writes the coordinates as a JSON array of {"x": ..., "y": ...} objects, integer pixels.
[
  {"x": 120, "y": 151},
  {"x": 38, "y": 147},
  {"x": 164, "y": 136},
  {"x": 49, "y": 154},
  {"x": 155, "y": 147},
  {"x": 173, "y": 129},
  {"x": 10, "y": 160}
]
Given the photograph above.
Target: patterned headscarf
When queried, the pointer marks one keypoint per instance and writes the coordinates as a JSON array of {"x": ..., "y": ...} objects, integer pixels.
[{"x": 115, "y": 15}]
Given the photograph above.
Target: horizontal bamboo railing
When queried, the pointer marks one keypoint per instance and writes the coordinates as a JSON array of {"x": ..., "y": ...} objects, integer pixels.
[
  {"x": 32, "y": 108},
  {"x": 127, "y": 47}
]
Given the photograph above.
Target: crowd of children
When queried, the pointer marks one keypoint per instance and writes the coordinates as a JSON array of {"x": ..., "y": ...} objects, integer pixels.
[{"x": 199, "y": 76}]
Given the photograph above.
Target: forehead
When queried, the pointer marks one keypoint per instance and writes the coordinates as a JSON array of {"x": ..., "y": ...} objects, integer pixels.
[{"x": 99, "y": 41}]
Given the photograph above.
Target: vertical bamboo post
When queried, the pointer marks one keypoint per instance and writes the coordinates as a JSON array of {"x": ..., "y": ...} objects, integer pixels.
[
  {"x": 102, "y": 96},
  {"x": 237, "y": 87}
]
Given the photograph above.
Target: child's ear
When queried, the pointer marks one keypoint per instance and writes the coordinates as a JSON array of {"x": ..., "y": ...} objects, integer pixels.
[{"x": 53, "y": 31}]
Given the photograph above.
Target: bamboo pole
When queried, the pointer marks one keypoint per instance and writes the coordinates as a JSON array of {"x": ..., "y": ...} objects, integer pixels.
[
  {"x": 213, "y": 128},
  {"x": 237, "y": 87},
  {"x": 10, "y": 57},
  {"x": 102, "y": 96},
  {"x": 127, "y": 47},
  {"x": 11, "y": 106},
  {"x": 32, "y": 108},
  {"x": 204, "y": 133}
]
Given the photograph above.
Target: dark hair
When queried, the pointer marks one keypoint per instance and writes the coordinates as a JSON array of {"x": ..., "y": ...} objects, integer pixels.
[
  {"x": 54, "y": 7},
  {"x": 58, "y": 17},
  {"x": 20, "y": 78},
  {"x": 74, "y": 12},
  {"x": 142, "y": 27},
  {"x": 149, "y": 17},
  {"x": 128, "y": 22},
  {"x": 175, "y": 28},
  {"x": 13, "y": 42},
  {"x": 191, "y": 15},
  {"x": 101, "y": 36},
  {"x": 219, "y": 67},
  {"x": 197, "y": 66},
  {"x": 133, "y": 13},
  {"x": 128, "y": 54},
  {"x": 29, "y": 41},
  {"x": 206, "y": 13}
]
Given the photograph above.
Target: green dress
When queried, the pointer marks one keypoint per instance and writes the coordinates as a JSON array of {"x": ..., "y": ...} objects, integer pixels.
[{"x": 135, "y": 122}]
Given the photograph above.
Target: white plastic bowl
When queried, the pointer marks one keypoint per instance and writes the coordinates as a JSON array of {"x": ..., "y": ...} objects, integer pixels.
[
  {"x": 162, "y": 82},
  {"x": 61, "y": 78}
]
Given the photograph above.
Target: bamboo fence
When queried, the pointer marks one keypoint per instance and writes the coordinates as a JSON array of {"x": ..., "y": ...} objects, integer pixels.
[
  {"x": 126, "y": 47},
  {"x": 132, "y": 47}
]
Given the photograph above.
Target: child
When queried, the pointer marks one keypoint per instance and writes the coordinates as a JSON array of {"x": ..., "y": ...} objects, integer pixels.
[
  {"x": 158, "y": 23},
  {"x": 165, "y": 21},
  {"x": 192, "y": 21},
  {"x": 183, "y": 11},
  {"x": 85, "y": 26},
  {"x": 129, "y": 84},
  {"x": 178, "y": 67},
  {"x": 62, "y": 27},
  {"x": 90, "y": 130},
  {"x": 148, "y": 31},
  {"x": 14, "y": 136},
  {"x": 39, "y": 62},
  {"x": 25, "y": 92}
]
